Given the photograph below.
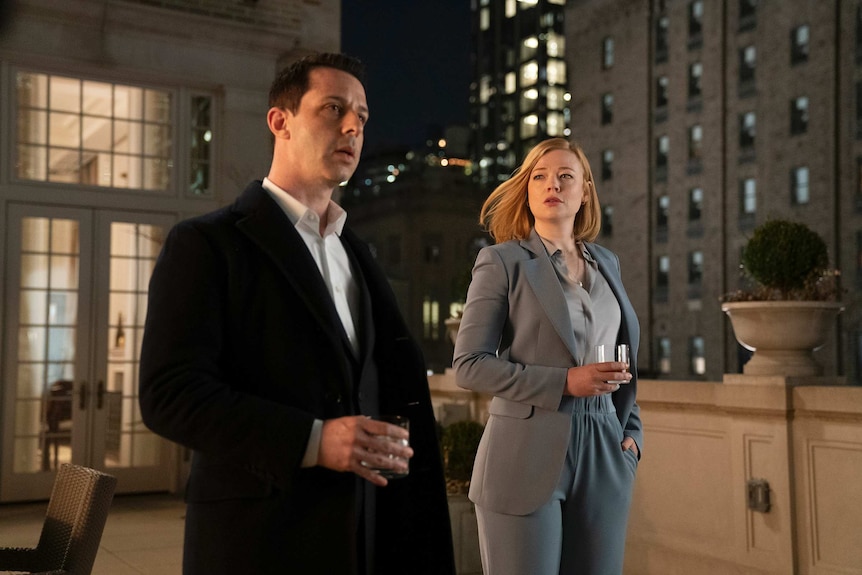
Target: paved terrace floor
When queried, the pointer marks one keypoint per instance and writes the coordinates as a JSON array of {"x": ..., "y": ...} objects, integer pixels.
[{"x": 144, "y": 533}]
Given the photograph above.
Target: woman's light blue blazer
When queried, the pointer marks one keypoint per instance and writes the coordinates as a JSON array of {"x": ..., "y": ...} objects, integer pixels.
[{"x": 516, "y": 343}]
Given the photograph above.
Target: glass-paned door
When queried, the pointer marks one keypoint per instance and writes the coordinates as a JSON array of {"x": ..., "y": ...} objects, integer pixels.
[{"x": 76, "y": 302}]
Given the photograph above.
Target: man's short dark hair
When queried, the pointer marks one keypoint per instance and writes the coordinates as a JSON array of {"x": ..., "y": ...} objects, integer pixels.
[{"x": 292, "y": 82}]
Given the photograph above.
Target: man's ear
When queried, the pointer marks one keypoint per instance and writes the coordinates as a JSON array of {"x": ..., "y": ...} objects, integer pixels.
[{"x": 278, "y": 120}]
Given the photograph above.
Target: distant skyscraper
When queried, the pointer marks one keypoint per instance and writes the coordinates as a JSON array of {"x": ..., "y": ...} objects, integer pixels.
[{"x": 519, "y": 93}]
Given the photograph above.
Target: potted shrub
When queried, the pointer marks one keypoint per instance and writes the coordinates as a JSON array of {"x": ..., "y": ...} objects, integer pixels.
[{"x": 793, "y": 301}]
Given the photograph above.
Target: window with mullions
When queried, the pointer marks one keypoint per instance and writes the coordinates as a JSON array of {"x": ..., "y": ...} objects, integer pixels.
[
  {"x": 695, "y": 274},
  {"x": 662, "y": 217},
  {"x": 799, "y": 44},
  {"x": 695, "y": 143},
  {"x": 697, "y": 355},
  {"x": 747, "y": 66},
  {"x": 747, "y": 202},
  {"x": 661, "y": 33},
  {"x": 695, "y": 73},
  {"x": 607, "y": 164},
  {"x": 662, "y": 149},
  {"x": 695, "y": 24},
  {"x": 607, "y": 221},
  {"x": 662, "y": 278},
  {"x": 607, "y": 53},
  {"x": 747, "y": 14},
  {"x": 84, "y": 132},
  {"x": 800, "y": 194},
  {"x": 747, "y": 131},
  {"x": 661, "y": 87},
  {"x": 799, "y": 116},
  {"x": 695, "y": 205},
  {"x": 607, "y": 108},
  {"x": 663, "y": 353}
]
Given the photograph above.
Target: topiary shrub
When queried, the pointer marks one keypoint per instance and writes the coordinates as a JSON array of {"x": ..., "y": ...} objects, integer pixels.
[
  {"x": 459, "y": 444},
  {"x": 788, "y": 261}
]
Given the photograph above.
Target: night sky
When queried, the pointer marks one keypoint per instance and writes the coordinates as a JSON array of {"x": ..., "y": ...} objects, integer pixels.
[{"x": 417, "y": 55}]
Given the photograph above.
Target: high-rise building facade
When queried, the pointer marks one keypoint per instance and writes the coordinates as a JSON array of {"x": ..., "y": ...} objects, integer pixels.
[
  {"x": 519, "y": 93},
  {"x": 703, "y": 119}
]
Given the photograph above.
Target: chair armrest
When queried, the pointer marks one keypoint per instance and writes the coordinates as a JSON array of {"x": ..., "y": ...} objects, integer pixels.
[{"x": 19, "y": 559}]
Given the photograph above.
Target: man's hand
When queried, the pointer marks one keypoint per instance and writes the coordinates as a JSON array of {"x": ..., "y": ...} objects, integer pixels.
[{"x": 348, "y": 442}]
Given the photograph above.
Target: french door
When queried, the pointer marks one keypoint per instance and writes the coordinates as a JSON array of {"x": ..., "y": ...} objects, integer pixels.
[{"x": 76, "y": 300}]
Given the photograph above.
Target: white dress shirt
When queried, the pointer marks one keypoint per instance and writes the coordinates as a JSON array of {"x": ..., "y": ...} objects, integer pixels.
[{"x": 334, "y": 265}]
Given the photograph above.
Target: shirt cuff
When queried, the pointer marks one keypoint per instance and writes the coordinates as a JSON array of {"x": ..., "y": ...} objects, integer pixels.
[{"x": 313, "y": 448}]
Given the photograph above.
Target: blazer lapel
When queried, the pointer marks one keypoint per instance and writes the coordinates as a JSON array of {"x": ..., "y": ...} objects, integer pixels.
[
  {"x": 266, "y": 225},
  {"x": 540, "y": 273}
]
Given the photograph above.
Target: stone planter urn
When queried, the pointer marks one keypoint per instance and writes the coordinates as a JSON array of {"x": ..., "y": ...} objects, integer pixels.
[{"x": 782, "y": 334}]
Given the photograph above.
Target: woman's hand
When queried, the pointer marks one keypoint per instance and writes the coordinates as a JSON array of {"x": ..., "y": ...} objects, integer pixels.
[{"x": 592, "y": 379}]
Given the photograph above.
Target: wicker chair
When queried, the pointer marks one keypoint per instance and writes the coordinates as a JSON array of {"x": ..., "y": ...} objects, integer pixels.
[{"x": 73, "y": 526}]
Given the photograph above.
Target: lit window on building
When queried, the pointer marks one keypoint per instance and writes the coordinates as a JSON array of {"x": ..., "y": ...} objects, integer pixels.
[
  {"x": 697, "y": 355},
  {"x": 511, "y": 82},
  {"x": 607, "y": 164},
  {"x": 529, "y": 73},
  {"x": 529, "y": 100},
  {"x": 799, "y": 116},
  {"x": 484, "y": 19},
  {"x": 747, "y": 125},
  {"x": 695, "y": 73},
  {"x": 511, "y": 8},
  {"x": 748, "y": 196},
  {"x": 529, "y": 126},
  {"x": 662, "y": 277},
  {"x": 529, "y": 47},
  {"x": 607, "y": 221},
  {"x": 799, "y": 44},
  {"x": 695, "y": 268},
  {"x": 430, "y": 319},
  {"x": 96, "y": 133},
  {"x": 556, "y": 72},
  {"x": 607, "y": 108},
  {"x": 555, "y": 45},
  {"x": 695, "y": 21},
  {"x": 662, "y": 212},
  {"x": 607, "y": 53},
  {"x": 484, "y": 89},
  {"x": 556, "y": 122},
  {"x": 662, "y": 150},
  {"x": 556, "y": 98},
  {"x": 661, "y": 33},
  {"x": 200, "y": 152},
  {"x": 799, "y": 190},
  {"x": 663, "y": 354},
  {"x": 695, "y": 204},
  {"x": 695, "y": 143},
  {"x": 747, "y": 65},
  {"x": 661, "y": 86}
]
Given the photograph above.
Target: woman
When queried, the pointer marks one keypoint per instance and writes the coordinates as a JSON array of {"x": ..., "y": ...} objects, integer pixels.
[{"x": 554, "y": 472}]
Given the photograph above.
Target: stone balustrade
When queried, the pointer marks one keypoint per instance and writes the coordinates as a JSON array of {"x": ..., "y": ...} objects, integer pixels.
[{"x": 799, "y": 440}]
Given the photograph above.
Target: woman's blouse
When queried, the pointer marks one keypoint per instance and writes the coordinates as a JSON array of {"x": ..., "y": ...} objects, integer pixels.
[{"x": 593, "y": 308}]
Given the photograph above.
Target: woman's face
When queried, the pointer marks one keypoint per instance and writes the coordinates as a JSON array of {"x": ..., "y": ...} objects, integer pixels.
[{"x": 555, "y": 190}]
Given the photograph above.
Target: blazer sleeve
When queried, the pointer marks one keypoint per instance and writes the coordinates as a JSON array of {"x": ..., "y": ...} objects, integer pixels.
[{"x": 481, "y": 358}]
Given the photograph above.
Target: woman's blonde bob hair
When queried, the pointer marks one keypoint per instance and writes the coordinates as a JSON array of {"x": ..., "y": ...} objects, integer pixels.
[{"x": 506, "y": 215}]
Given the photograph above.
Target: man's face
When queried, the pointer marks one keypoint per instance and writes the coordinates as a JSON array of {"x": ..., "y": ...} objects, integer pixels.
[{"x": 328, "y": 129}]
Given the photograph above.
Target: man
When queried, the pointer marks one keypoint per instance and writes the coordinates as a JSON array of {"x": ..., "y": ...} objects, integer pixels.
[{"x": 271, "y": 334}]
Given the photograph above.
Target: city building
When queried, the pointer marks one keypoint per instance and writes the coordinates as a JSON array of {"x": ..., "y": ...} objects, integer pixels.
[
  {"x": 702, "y": 119},
  {"x": 419, "y": 210},
  {"x": 519, "y": 94},
  {"x": 119, "y": 118}
]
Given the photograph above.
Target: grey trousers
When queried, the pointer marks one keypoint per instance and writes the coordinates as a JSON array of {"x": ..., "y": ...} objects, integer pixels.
[{"x": 582, "y": 529}]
